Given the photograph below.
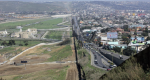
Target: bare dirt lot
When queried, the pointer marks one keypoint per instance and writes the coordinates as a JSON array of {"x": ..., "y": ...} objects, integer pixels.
[
  {"x": 38, "y": 55},
  {"x": 6, "y": 70}
]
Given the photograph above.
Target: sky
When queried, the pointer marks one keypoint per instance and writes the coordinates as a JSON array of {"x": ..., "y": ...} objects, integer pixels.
[{"x": 69, "y": 0}]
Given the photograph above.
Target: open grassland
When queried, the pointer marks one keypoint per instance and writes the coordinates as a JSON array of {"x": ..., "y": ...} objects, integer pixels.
[
  {"x": 16, "y": 49},
  {"x": 12, "y": 25},
  {"x": 62, "y": 53},
  {"x": 54, "y": 35},
  {"x": 53, "y": 74},
  {"x": 48, "y": 24}
]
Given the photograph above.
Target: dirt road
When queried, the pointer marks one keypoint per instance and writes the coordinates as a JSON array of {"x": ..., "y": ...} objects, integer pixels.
[{"x": 72, "y": 73}]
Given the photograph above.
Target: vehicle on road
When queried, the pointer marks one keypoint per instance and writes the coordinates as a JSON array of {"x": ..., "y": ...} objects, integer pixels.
[
  {"x": 95, "y": 56},
  {"x": 95, "y": 61},
  {"x": 104, "y": 66},
  {"x": 115, "y": 65},
  {"x": 108, "y": 69},
  {"x": 112, "y": 66},
  {"x": 121, "y": 57}
]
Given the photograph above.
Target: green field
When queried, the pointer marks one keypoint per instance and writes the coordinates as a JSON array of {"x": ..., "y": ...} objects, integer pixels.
[
  {"x": 12, "y": 25},
  {"x": 54, "y": 35},
  {"x": 46, "y": 23},
  {"x": 60, "y": 54}
]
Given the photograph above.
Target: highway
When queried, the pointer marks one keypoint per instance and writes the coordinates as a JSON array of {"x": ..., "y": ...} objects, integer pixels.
[{"x": 97, "y": 59}]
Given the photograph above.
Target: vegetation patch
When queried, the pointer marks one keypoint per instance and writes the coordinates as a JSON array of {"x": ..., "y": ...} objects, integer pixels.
[
  {"x": 61, "y": 54},
  {"x": 67, "y": 41},
  {"x": 53, "y": 74},
  {"x": 46, "y": 24},
  {"x": 12, "y": 25},
  {"x": 54, "y": 35}
]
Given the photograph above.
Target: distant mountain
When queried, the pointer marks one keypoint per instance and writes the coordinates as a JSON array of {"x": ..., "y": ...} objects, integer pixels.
[
  {"x": 71, "y": 0},
  {"x": 17, "y": 6},
  {"x": 127, "y": 5}
]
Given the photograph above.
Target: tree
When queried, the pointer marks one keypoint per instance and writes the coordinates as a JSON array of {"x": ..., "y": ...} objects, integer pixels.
[
  {"x": 4, "y": 43},
  {"x": 117, "y": 49},
  {"x": 148, "y": 38},
  {"x": 103, "y": 30},
  {"x": 10, "y": 42},
  {"x": 126, "y": 39},
  {"x": 129, "y": 51},
  {"x": 20, "y": 45},
  {"x": 125, "y": 27},
  {"x": 25, "y": 43},
  {"x": 144, "y": 34}
]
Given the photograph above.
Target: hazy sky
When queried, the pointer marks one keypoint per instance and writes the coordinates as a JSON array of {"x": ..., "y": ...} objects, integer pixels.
[{"x": 72, "y": 0}]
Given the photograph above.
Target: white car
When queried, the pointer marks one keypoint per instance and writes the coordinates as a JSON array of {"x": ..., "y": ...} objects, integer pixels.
[{"x": 114, "y": 65}]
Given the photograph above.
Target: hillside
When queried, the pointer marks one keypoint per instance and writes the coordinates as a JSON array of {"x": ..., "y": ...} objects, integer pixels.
[
  {"x": 135, "y": 68},
  {"x": 17, "y": 6}
]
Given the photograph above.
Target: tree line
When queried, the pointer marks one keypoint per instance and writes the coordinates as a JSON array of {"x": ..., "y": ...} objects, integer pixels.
[{"x": 12, "y": 42}]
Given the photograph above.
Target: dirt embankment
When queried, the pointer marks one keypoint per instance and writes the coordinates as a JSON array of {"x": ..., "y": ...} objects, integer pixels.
[{"x": 72, "y": 73}]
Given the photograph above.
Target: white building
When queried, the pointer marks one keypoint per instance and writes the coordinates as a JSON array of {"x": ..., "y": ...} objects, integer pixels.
[{"x": 3, "y": 32}]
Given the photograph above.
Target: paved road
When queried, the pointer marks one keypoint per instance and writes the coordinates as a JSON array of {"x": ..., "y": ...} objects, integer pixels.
[
  {"x": 108, "y": 52},
  {"x": 102, "y": 62}
]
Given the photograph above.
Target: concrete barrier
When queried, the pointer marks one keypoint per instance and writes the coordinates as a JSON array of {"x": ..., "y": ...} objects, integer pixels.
[{"x": 117, "y": 61}]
